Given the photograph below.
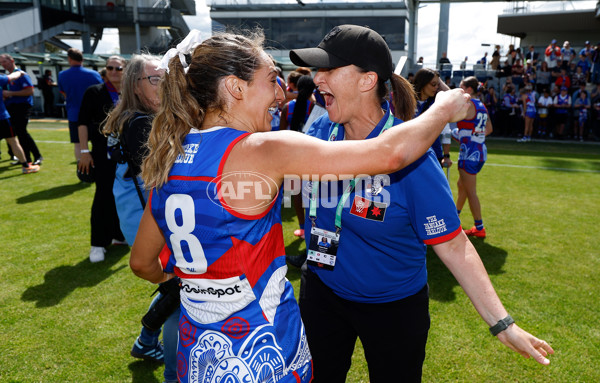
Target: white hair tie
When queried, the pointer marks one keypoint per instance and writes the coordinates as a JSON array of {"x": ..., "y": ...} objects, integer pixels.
[{"x": 187, "y": 46}]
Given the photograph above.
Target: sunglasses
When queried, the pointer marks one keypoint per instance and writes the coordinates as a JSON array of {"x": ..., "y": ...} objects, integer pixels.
[
  {"x": 151, "y": 79},
  {"x": 117, "y": 68}
]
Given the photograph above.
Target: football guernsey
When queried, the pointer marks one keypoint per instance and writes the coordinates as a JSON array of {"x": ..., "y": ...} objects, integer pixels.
[
  {"x": 290, "y": 110},
  {"x": 385, "y": 225},
  {"x": 563, "y": 102},
  {"x": 239, "y": 318},
  {"x": 530, "y": 109},
  {"x": 471, "y": 135}
]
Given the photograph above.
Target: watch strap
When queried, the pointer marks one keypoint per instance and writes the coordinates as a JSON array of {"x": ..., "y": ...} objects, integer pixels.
[{"x": 501, "y": 325}]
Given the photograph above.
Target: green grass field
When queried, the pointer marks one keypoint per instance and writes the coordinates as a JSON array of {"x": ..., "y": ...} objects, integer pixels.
[{"x": 63, "y": 319}]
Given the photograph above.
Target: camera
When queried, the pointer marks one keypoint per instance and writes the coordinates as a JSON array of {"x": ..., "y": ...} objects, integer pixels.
[{"x": 164, "y": 306}]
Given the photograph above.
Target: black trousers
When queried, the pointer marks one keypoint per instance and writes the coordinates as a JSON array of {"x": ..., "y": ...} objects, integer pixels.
[
  {"x": 19, "y": 118},
  {"x": 49, "y": 103},
  {"x": 393, "y": 334},
  {"x": 104, "y": 219}
]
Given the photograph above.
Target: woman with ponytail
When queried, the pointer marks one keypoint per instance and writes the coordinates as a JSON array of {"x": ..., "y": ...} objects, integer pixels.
[
  {"x": 130, "y": 121},
  {"x": 370, "y": 281},
  {"x": 296, "y": 112},
  {"x": 427, "y": 83},
  {"x": 214, "y": 170}
]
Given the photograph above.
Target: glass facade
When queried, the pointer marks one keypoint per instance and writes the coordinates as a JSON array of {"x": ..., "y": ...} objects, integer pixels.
[
  {"x": 294, "y": 33},
  {"x": 62, "y": 5}
]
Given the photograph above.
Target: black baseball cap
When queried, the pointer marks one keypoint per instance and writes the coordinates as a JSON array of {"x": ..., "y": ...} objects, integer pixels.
[{"x": 347, "y": 45}]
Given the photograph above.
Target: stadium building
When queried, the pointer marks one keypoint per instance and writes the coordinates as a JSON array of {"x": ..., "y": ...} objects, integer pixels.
[{"x": 29, "y": 27}]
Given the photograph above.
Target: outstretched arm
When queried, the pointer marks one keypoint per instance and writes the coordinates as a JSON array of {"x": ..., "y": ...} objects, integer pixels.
[
  {"x": 303, "y": 156},
  {"x": 391, "y": 151},
  {"x": 462, "y": 260}
]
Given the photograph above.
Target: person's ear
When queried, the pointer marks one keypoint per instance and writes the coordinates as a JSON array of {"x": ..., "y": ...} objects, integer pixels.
[
  {"x": 235, "y": 86},
  {"x": 368, "y": 81}
]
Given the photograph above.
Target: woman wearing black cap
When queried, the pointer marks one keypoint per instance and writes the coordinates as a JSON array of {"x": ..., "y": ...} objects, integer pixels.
[{"x": 371, "y": 283}]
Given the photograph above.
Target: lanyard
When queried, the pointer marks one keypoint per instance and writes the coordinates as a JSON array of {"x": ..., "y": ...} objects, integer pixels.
[{"x": 315, "y": 185}]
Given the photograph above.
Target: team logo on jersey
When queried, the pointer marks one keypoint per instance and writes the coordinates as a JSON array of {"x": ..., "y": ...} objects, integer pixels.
[
  {"x": 189, "y": 152},
  {"x": 365, "y": 208}
]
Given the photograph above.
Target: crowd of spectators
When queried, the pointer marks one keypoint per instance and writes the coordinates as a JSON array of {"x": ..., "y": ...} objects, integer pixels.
[{"x": 561, "y": 85}]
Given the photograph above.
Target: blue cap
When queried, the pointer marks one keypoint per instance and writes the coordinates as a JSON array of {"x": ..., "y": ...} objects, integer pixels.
[
  {"x": 563, "y": 88},
  {"x": 553, "y": 41}
]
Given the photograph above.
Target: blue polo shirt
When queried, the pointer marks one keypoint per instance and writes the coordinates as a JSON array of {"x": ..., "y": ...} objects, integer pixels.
[
  {"x": 21, "y": 83},
  {"x": 386, "y": 224},
  {"x": 74, "y": 82},
  {"x": 3, "y": 112}
]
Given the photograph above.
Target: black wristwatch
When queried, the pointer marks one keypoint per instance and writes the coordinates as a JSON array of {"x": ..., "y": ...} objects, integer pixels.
[{"x": 501, "y": 325}]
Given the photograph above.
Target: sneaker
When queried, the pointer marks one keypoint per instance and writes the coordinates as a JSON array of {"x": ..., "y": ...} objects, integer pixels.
[
  {"x": 522, "y": 139},
  {"x": 296, "y": 260},
  {"x": 15, "y": 161},
  {"x": 152, "y": 353},
  {"x": 97, "y": 254},
  {"x": 38, "y": 161},
  {"x": 30, "y": 168},
  {"x": 299, "y": 233},
  {"x": 475, "y": 233},
  {"x": 117, "y": 242}
]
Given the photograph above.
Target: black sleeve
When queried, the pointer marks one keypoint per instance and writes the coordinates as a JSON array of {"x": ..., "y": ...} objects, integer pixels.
[
  {"x": 135, "y": 136},
  {"x": 88, "y": 104}
]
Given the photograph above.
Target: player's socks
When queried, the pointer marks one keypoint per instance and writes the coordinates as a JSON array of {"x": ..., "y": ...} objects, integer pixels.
[
  {"x": 458, "y": 211},
  {"x": 479, "y": 224}
]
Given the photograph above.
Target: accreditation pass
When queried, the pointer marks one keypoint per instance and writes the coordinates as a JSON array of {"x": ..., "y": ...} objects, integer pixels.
[{"x": 322, "y": 249}]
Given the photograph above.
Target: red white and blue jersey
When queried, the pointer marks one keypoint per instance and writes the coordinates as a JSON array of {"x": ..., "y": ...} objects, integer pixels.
[
  {"x": 530, "y": 109},
  {"x": 239, "y": 319},
  {"x": 471, "y": 135},
  {"x": 564, "y": 103},
  {"x": 290, "y": 110},
  {"x": 385, "y": 225},
  {"x": 509, "y": 100}
]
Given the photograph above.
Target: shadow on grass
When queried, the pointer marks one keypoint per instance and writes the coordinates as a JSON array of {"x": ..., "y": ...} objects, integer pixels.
[
  {"x": 8, "y": 167},
  {"x": 53, "y": 193},
  {"x": 556, "y": 164},
  {"x": 63, "y": 280},
  {"x": 143, "y": 371},
  {"x": 441, "y": 280},
  {"x": 550, "y": 149}
]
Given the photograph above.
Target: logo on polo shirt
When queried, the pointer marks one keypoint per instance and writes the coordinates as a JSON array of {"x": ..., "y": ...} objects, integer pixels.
[
  {"x": 365, "y": 208},
  {"x": 435, "y": 226}
]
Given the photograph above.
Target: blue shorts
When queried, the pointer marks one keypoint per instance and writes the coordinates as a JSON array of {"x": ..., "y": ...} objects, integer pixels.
[
  {"x": 470, "y": 167},
  {"x": 74, "y": 132},
  {"x": 530, "y": 114}
]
